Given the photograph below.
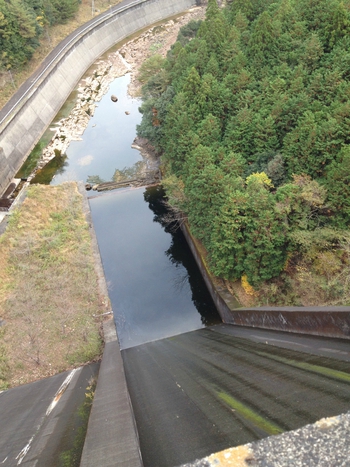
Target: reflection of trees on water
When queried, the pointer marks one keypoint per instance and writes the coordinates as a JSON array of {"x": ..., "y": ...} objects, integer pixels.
[
  {"x": 94, "y": 180},
  {"x": 128, "y": 173},
  {"x": 55, "y": 166},
  {"x": 180, "y": 254}
]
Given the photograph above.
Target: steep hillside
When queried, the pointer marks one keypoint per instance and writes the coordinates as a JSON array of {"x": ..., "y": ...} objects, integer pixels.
[{"x": 250, "y": 111}]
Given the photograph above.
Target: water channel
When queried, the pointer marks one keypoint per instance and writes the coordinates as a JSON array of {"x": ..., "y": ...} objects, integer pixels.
[
  {"x": 202, "y": 391},
  {"x": 155, "y": 287}
]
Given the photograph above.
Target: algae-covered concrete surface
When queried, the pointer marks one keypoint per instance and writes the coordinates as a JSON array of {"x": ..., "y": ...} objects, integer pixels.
[
  {"x": 113, "y": 438},
  {"x": 207, "y": 390}
]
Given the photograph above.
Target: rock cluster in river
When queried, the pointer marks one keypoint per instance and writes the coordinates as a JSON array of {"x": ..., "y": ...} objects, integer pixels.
[{"x": 90, "y": 91}]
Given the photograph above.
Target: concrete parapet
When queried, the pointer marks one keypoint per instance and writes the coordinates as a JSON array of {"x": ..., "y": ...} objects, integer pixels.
[
  {"x": 26, "y": 116},
  {"x": 112, "y": 439},
  {"x": 319, "y": 321},
  {"x": 322, "y": 443}
]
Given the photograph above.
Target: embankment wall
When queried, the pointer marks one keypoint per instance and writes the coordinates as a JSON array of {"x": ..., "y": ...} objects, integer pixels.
[
  {"x": 27, "y": 115},
  {"x": 319, "y": 321}
]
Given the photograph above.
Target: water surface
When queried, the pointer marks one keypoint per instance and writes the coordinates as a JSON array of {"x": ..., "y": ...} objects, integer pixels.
[
  {"x": 154, "y": 285},
  {"x": 106, "y": 142}
]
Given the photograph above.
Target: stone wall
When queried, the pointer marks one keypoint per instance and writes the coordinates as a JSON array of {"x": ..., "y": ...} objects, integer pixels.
[{"x": 27, "y": 115}]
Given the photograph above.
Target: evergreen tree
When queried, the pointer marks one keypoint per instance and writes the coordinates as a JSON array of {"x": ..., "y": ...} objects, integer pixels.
[
  {"x": 21, "y": 24},
  {"x": 338, "y": 188},
  {"x": 263, "y": 92}
]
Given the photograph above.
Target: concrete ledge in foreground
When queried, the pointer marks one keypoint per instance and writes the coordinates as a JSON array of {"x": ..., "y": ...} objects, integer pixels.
[
  {"x": 112, "y": 438},
  {"x": 323, "y": 444}
]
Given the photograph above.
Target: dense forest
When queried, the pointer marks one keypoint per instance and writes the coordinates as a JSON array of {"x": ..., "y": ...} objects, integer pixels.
[
  {"x": 21, "y": 24},
  {"x": 250, "y": 111}
]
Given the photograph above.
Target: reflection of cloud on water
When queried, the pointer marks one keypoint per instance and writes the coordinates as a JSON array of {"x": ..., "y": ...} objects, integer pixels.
[{"x": 86, "y": 160}]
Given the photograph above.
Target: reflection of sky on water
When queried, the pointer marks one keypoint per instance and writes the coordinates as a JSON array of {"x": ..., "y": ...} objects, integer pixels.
[
  {"x": 150, "y": 294},
  {"x": 153, "y": 288},
  {"x": 107, "y": 140}
]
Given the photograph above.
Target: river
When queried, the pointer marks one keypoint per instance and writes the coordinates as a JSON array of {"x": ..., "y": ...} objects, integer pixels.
[{"x": 155, "y": 287}]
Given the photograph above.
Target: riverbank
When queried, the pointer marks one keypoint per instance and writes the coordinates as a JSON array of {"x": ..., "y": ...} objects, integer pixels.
[
  {"x": 51, "y": 305},
  {"x": 95, "y": 84}
]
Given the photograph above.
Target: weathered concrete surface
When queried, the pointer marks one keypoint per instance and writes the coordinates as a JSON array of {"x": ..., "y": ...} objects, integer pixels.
[
  {"x": 319, "y": 321},
  {"x": 112, "y": 439},
  {"x": 323, "y": 444},
  {"x": 24, "y": 119},
  {"x": 37, "y": 423},
  {"x": 207, "y": 390}
]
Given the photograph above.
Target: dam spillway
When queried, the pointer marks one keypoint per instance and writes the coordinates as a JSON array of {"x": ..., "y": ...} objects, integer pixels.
[
  {"x": 205, "y": 390},
  {"x": 210, "y": 389}
]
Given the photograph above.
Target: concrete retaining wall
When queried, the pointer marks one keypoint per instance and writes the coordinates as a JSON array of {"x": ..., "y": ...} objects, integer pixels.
[
  {"x": 319, "y": 321},
  {"x": 223, "y": 300},
  {"x": 32, "y": 109}
]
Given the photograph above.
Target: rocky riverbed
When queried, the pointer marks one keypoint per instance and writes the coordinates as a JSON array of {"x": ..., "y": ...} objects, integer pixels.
[{"x": 91, "y": 89}]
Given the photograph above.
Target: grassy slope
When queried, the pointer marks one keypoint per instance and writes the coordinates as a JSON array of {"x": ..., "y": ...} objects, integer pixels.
[{"x": 48, "y": 287}]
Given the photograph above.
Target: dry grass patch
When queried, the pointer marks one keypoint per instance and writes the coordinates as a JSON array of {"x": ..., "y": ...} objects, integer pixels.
[{"x": 48, "y": 287}]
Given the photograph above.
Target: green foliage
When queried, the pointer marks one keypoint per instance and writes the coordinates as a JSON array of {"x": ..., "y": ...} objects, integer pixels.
[
  {"x": 338, "y": 188},
  {"x": 260, "y": 91},
  {"x": 150, "y": 67},
  {"x": 21, "y": 24},
  {"x": 188, "y": 31}
]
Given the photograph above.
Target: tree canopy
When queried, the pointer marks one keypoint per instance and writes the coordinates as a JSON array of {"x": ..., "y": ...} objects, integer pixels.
[
  {"x": 23, "y": 21},
  {"x": 253, "y": 119}
]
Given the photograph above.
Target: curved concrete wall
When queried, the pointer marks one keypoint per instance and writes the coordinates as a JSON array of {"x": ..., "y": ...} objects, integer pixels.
[{"x": 26, "y": 118}]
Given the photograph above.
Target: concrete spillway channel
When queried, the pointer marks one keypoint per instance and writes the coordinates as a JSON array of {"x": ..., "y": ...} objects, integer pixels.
[{"x": 207, "y": 390}]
